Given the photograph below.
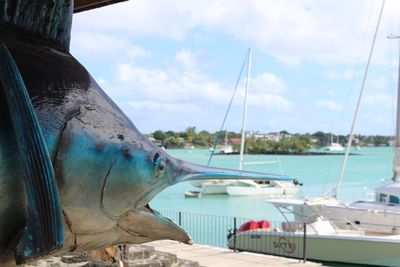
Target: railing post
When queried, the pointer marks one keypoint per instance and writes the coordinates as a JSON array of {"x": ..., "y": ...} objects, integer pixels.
[
  {"x": 180, "y": 218},
  {"x": 234, "y": 234},
  {"x": 304, "y": 241}
]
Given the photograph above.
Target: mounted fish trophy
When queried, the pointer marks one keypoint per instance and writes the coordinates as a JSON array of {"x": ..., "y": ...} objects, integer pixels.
[{"x": 75, "y": 173}]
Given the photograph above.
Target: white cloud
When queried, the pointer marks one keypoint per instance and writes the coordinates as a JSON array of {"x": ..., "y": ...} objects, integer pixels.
[
  {"x": 289, "y": 31},
  {"x": 173, "y": 89},
  {"x": 267, "y": 82},
  {"x": 338, "y": 75},
  {"x": 186, "y": 58},
  {"x": 270, "y": 102},
  {"x": 102, "y": 47},
  {"x": 380, "y": 99},
  {"x": 329, "y": 104},
  {"x": 159, "y": 106},
  {"x": 375, "y": 118},
  {"x": 377, "y": 82}
]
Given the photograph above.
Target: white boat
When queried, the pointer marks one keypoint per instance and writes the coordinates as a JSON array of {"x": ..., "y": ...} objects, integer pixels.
[
  {"x": 319, "y": 240},
  {"x": 192, "y": 194},
  {"x": 382, "y": 213},
  {"x": 226, "y": 149},
  {"x": 212, "y": 187},
  {"x": 245, "y": 187},
  {"x": 324, "y": 229},
  {"x": 267, "y": 188},
  {"x": 334, "y": 147}
]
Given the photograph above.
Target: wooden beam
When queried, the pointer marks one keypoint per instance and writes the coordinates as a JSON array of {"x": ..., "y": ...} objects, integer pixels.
[{"x": 83, "y": 5}]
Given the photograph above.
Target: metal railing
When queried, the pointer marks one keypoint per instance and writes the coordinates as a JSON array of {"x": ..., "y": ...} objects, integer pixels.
[{"x": 280, "y": 238}]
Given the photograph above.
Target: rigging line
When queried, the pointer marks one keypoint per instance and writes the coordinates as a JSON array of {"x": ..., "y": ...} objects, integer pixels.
[
  {"x": 350, "y": 140},
  {"x": 364, "y": 37},
  {"x": 349, "y": 94},
  {"x": 226, "y": 113}
]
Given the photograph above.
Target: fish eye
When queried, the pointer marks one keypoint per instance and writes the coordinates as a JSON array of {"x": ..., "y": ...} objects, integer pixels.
[{"x": 159, "y": 165}]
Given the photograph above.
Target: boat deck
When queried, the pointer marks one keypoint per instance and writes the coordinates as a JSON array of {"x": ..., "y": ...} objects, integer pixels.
[{"x": 219, "y": 257}]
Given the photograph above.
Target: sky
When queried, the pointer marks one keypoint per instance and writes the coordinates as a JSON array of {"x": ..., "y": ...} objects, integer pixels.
[{"x": 173, "y": 64}]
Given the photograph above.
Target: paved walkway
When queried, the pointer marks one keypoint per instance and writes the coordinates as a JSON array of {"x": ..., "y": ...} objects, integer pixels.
[{"x": 219, "y": 257}]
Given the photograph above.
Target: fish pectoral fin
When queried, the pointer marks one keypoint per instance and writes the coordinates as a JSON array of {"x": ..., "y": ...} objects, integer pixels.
[{"x": 44, "y": 230}]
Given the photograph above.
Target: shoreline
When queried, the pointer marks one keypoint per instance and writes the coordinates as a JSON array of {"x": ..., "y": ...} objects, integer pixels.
[{"x": 294, "y": 154}]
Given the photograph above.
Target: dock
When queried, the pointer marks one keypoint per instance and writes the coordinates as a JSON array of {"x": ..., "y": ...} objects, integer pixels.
[
  {"x": 167, "y": 254},
  {"x": 220, "y": 257}
]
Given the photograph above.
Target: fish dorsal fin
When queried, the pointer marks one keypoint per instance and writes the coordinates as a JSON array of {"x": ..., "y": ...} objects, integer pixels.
[{"x": 44, "y": 230}]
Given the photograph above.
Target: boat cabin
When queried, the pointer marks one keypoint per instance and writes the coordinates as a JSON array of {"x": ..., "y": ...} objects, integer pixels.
[{"x": 388, "y": 194}]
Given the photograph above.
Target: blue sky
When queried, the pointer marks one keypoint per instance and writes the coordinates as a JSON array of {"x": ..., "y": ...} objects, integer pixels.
[{"x": 172, "y": 64}]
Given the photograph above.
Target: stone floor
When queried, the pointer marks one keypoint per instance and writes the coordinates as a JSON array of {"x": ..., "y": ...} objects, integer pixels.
[
  {"x": 167, "y": 254},
  {"x": 218, "y": 257}
]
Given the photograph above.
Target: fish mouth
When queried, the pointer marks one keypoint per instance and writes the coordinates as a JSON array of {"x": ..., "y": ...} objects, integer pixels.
[
  {"x": 151, "y": 225},
  {"x": 186, "y": 171}
]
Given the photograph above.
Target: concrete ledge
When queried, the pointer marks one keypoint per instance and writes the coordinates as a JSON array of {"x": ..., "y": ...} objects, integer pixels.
[{"x": 219, "y": 257}]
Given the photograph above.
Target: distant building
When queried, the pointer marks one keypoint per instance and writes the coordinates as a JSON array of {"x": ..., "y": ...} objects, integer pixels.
[
  {"x": 273, "y": 136},
  {"x": 234, "y": 140}
]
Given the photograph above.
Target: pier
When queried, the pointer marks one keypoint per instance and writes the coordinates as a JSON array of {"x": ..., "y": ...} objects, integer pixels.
[
  {"x": 169, "y": 254},
  {"x": 221, "y": 257}
]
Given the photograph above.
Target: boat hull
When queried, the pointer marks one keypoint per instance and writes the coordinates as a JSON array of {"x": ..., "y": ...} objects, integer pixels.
[
  {"x": 369, "y": 217},
  {"x": 330, "y": 248},
  {"x": 270, "y": 191},
  {"x": 213, "y": 189}
]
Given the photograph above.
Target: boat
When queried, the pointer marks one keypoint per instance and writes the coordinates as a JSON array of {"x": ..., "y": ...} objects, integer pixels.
[
  {"x": 244, "y": 187},
  {"x": 226, "y": 149},
  {"x": 192, "y": 194},
  {"x": 325, "y": 229},
  {"x": 334, "y": 147},
  {"x": 314, "y": 237},
  {"x": 267, "y": 188},
  {"x": 382, "y": 213},
  {"x": 212, "y": 187}
]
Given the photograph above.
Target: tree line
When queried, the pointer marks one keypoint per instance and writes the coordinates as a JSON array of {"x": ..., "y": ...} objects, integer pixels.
[{"x": 287, "y": 143}]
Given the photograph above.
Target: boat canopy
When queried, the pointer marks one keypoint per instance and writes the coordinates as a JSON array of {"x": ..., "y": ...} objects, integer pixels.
[
  {"x": 392, "y": 188},
  {"x": 284, "y": 203}
]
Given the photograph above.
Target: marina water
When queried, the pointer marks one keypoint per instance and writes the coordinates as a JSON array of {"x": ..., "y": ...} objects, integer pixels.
[
  {"x": 207, "y": 219},
  {"x": 365, "y": 170}
]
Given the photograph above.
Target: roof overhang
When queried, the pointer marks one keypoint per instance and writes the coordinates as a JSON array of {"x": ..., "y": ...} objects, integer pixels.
[{"x": 83, "y": 5}]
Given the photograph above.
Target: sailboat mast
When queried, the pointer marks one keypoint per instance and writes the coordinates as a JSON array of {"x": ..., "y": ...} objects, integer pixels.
[
  {"x": 396, "y": 148},
  {"x": 351, "y": 135},
  {"x": 242, "y": 139}
]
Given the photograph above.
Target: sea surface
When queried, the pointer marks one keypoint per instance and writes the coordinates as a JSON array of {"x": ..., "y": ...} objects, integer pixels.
[
  {"x": 366, "y": 169},
  {"x": 209, "y": 218}
]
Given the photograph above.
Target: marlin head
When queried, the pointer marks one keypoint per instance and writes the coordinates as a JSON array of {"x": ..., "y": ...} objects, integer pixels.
[{"x": 157, "y": 171}]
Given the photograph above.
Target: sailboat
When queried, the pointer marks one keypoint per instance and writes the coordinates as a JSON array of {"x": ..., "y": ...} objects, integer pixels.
[
  {"x": 334, "y": 147},
  {"x": 325, "y": 229},
  {"x": 383, "y": 213},
  {"x": 226, "y": 149},
  {"x": 250, "y": 187}
]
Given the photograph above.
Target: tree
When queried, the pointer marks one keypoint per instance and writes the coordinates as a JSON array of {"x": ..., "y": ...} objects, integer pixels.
[
  {"x": 172, "y": 142},
  {"x": 159, "y": 135},
  {"x": 203, "y": 139},
  {"x": 190, "y": 134}
]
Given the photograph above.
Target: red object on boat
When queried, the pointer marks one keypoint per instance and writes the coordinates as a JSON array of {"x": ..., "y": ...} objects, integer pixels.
[
  {"x": 245, "y": 226},
  {"x": 254, "y": 225},
  {"x": 265, "y": 224}
]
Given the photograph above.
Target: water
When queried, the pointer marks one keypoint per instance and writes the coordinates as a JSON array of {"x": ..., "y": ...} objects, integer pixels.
[{"x": 318, "y": 174}]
